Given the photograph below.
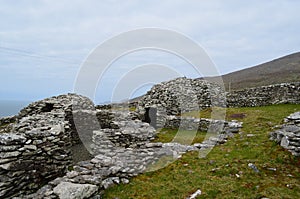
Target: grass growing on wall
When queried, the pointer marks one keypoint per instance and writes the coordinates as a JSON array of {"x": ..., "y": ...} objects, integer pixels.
[{"x": 224, "y": 173}]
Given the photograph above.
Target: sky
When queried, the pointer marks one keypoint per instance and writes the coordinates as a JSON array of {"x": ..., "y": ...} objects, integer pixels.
[{"x": 44, "y": 44}]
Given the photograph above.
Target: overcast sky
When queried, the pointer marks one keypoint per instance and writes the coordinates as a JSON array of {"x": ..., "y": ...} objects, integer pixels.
[{"x": 43, "y": 43}]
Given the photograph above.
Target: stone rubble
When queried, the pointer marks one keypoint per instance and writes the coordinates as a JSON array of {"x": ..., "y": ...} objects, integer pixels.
[{"x": 288, "y": 136}]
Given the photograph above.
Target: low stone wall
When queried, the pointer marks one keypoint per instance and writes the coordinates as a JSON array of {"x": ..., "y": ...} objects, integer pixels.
[
  {"x": 288, "y": 136},
  {"x": 265, "y": 95},
  {"x": 183, "y": 95},
  {"x": 201, "y": 124}
]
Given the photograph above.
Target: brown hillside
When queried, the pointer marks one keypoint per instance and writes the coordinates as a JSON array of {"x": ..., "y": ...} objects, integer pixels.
[{"x": 284, "y": 69}]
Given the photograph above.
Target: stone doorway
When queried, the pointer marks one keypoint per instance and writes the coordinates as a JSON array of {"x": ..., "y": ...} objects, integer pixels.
[{"x": 151, "y": 116}]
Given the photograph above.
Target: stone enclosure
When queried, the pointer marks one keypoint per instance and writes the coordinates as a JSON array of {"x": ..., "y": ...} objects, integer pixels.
[{"x": 37, "y": 145}]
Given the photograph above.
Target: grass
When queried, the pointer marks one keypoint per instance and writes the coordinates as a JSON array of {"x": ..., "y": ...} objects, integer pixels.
[
  {"x": 224, "y": 173},
  {"x": 167, "y": 135}
]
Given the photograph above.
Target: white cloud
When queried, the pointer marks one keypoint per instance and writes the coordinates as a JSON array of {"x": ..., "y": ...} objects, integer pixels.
[{"x": 235, "y": 33}]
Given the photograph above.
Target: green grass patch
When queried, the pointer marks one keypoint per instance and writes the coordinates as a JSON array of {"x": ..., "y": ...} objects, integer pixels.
[
  {"x": 224, "y": 173},
  {"x": 167, "y": 135}
]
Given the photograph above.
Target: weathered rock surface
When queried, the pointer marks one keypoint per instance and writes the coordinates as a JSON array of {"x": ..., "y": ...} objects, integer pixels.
[{"x": 67, "y": 190}]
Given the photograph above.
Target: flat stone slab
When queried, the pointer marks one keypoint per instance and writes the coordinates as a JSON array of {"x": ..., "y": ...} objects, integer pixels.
[
  {"x": 294, "y": 116},
  {"x": 68, "y": 190}
]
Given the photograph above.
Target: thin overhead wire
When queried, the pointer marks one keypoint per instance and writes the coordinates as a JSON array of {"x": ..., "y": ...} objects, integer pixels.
[{"x": 24, "y": 53}]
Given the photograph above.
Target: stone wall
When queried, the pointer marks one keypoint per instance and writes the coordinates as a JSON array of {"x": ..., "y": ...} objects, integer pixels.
[
  {"x": 184, "y": 95},
  {"x": 31, "y": 159},
  {"x": 288, "y": 136},
  {"x": 265, "y": 95},
  {"x": 116, "y": 163},
  {"x": 201, "y": 124},
  {"x": 36, "y": 147}
]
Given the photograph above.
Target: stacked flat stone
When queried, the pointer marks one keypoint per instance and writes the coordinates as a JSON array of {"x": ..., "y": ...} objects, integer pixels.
[
  {"x": 288, "y": 136},
  {"x": 36, "y": 148},
  {"x": 182, "y": 95},
  {"x": 265, "y": 95}
]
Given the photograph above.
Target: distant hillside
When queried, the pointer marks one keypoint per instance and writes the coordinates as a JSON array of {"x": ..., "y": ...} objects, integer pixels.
[
  {"x": 284, "y": 69},
  {"x": 281, "y": 70}
]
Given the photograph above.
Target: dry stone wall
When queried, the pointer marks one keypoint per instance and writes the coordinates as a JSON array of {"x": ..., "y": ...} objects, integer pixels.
[
  {"x": 265, "y": 95},
  {"x": 184, "y": 95},
  {"x": 36, "y": 147},
  {"x": 288, "y": 136},
  {"x": 201, "y": 124},
  {"x": 115, "y": 163}
]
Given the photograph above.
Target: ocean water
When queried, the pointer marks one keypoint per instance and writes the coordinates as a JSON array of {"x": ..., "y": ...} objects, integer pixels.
[{"x": 11, "y": 107}]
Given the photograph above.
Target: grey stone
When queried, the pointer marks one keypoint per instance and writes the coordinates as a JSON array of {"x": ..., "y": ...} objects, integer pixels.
[
  {"x": 294, "y": 116},
  {"x": 288, "y": 135},
  {"x": 252, "y": 166},
  {"x": 67, "y": 190},
  {"x": 9, "y": 154}
]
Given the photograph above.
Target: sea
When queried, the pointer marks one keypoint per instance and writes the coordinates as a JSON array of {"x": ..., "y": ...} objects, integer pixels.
[{"x": 11, "y": 107}]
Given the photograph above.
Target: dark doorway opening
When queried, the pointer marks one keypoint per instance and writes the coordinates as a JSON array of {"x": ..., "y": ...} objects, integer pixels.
[
  {"x": 48, "y": 107},
  {"x": 151, "y": 116}
]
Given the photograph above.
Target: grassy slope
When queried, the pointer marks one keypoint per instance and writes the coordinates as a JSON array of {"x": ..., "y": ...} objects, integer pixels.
[
  {"x": 215, "y": 175},
  {"x": 284, "y": 69}
]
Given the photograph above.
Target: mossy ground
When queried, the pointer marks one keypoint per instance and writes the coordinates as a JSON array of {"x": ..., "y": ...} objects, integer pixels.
[{"x": 224, "y": 172}]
